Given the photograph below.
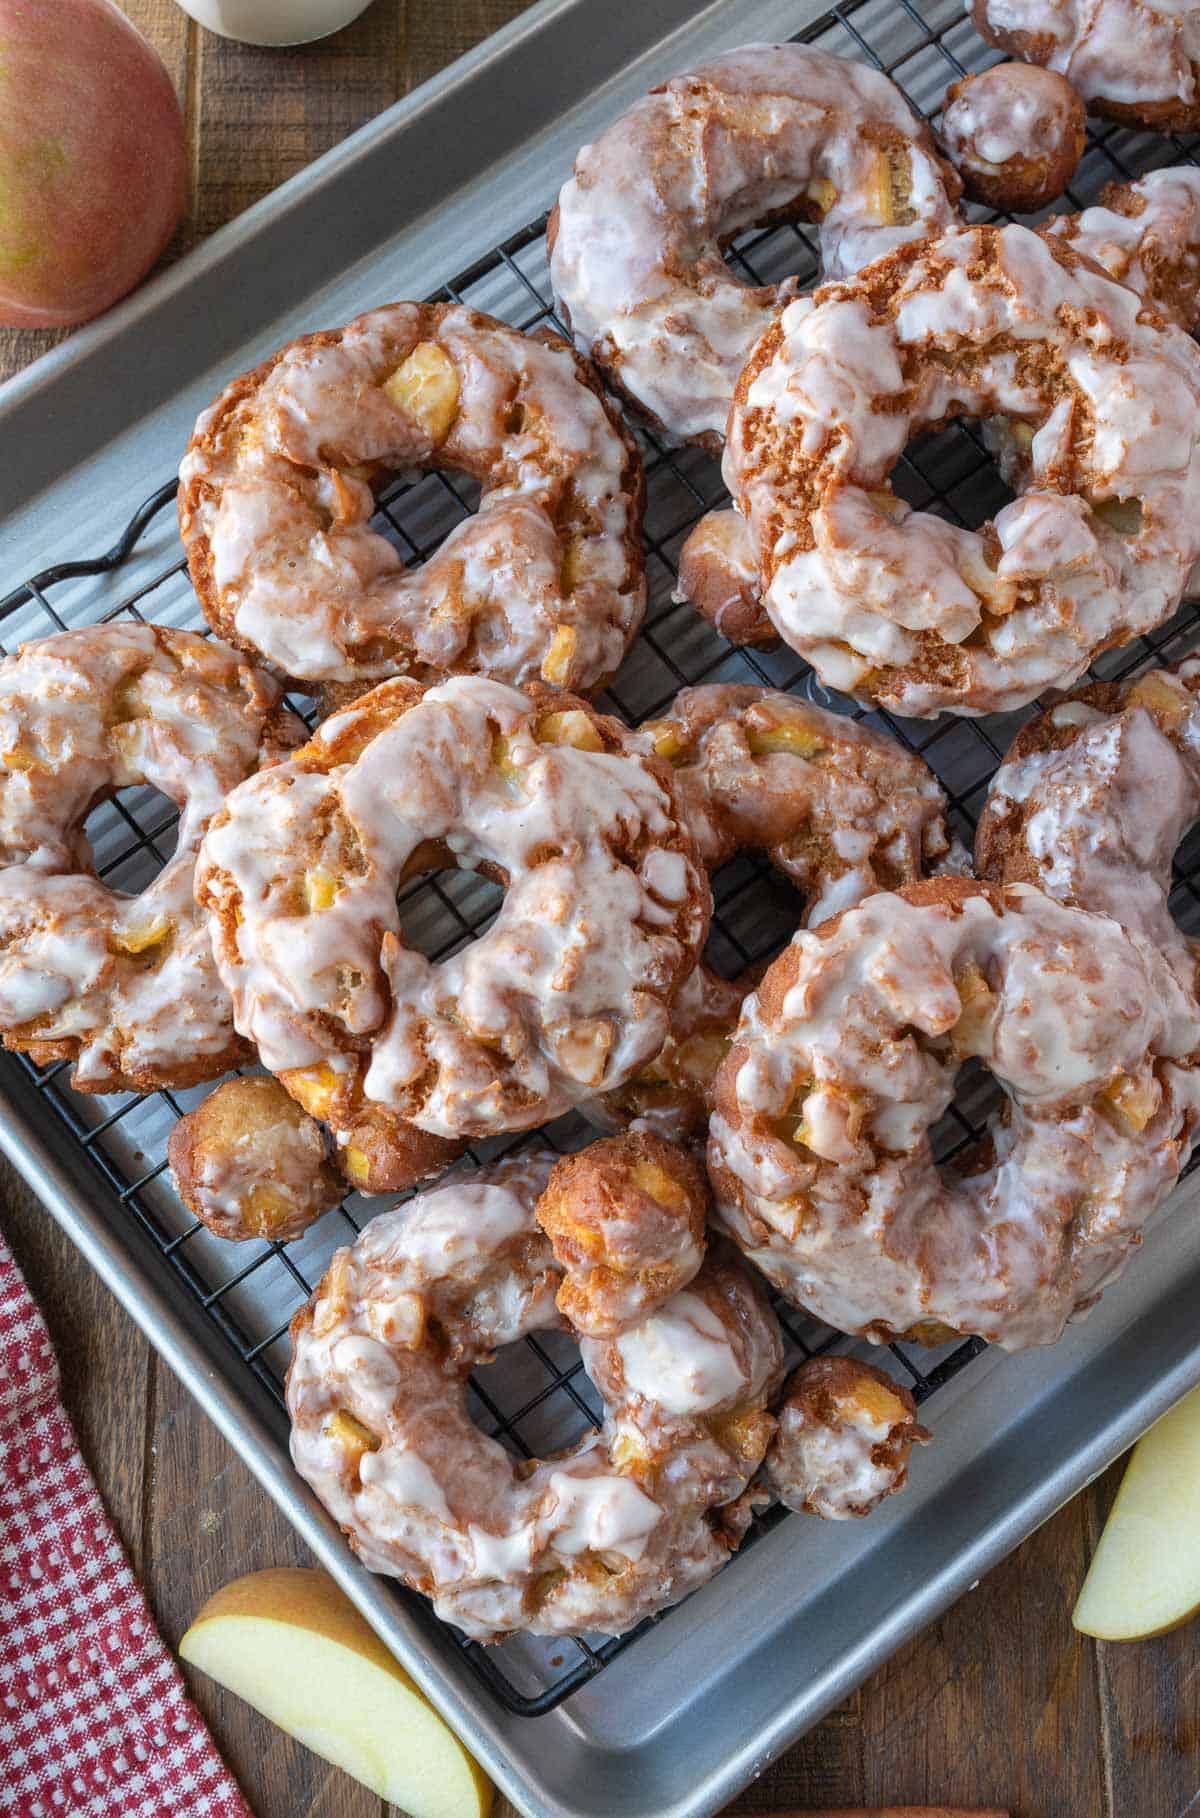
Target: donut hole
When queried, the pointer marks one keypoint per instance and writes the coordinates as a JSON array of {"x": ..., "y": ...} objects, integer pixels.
[
  {"x": 130, "y": 836},
  {"x": 443, "y": 906},
  {"x": 953, "y": 473}
]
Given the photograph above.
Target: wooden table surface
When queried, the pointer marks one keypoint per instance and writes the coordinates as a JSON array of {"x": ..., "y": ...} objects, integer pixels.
[{"x": 1000, "y": 1703}]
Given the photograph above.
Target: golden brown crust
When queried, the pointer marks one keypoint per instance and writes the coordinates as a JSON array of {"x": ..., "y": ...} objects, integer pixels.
[
  {"x": 718, "y": 574},
  {"x": 1171, "y": 116},
  {"x": 626, "y": 1217},
  {"x": 846, "y": 1429},
  {"x": 249, "y": 1163},
  {"x": 672, "y": 1093}
]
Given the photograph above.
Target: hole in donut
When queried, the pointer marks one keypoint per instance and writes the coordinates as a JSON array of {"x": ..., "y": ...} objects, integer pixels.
[
  {"x": 951, "y": 473},
  {"x": 131, "y": 836},
  {"x": 443, "y": 906}
]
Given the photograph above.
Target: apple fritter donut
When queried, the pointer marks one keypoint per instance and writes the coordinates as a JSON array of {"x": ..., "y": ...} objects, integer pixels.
[
  {"x": 845, "y": 1433},
  {"x": 250, "y": 1163},
  {"x": 1098, "y": 403},
  {"x": 839, "y": 809},
  {"x": 625, "y": 1522},
  {"x": 626, "y": 1219},
  {"x": 123, "y": 986},
  {"x": 819, "y": 1149},
  {"x": 1146, "y": 235},
  {"x": 769, "y": 132},
  {"x": 545, "y": 581},
  {"x": 1093, "y": 797},
  {"x": 1134, "y": 60},
  {"x": 671, "y": 1094},
  {"x": 569, "y": 990},
  {"x": 1015, "y": 135}
]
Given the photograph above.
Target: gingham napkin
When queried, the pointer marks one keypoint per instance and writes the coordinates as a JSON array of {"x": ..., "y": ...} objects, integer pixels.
[{"x": 94, "y": 1722}]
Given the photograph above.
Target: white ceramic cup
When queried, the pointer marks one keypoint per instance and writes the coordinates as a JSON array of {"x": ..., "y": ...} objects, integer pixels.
[{"x": 274, "y": 21}]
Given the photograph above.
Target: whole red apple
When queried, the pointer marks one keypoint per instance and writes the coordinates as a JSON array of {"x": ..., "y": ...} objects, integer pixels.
[{"x": 93, "y": 164}]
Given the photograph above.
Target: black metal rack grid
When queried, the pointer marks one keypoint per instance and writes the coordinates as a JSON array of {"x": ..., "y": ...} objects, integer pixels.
[{"x": 248, "y": 1291}]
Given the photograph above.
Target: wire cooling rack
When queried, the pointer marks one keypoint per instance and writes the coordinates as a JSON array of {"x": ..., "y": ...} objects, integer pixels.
[{"x": 536, "y": 1398}]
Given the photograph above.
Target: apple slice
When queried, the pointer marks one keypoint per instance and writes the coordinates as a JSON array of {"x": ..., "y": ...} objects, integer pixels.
[
  {"x": 290, "y": 1644},
  {"x": 1145, "y": 1577}
]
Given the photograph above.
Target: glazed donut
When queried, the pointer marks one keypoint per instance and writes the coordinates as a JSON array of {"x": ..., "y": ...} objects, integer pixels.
[
  {"x": 671, "y": 1093},
  {"x": 124, "y": 986},
  {"x": 569, "y": 991},
  {"x": 1146, "y": 235},
  {"x": 1098, "y": 400},
  {"x": 1015, "y": 135},
  {"x": 839, "y": 809},
  {"x": 545, "y": 581},
  {"x": 1094, "y": 796},
  {"x": 844, "y": 1436},
  {"x": 626, "y": 1219},
  {"x": 767, "y": 133},
  {"x": 626, "y": 1522},
  {"x": 718, "y": 575},
  {"x": 248, "y": 1162},
  {"x": 1134, "y": 60},
  {"x": 819, "y": 1148}
]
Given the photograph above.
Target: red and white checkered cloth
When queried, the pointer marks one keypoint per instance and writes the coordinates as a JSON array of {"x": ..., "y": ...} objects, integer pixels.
[{"x": 94, "y": 1721}]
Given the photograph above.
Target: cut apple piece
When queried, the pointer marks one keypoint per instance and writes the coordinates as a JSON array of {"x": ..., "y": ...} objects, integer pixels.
[
  {"x": 290, "y": 1644},
  {"x": 1145, "y": 1577}
]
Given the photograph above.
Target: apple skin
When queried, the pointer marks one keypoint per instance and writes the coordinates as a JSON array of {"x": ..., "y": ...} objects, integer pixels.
[
  {"x": 93, "y": 160},
  {"x": 294, "y": 1647}
]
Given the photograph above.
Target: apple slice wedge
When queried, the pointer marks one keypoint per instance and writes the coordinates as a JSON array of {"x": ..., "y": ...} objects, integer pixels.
[
  {"x": 1145, "y": 1577},
  {"x": 290, "y": 1644}
]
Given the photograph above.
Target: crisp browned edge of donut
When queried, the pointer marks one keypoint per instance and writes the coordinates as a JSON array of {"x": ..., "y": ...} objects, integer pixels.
[
  {"x": 576, "y": 1201},
  {"x": 199, "y": 555},
  {"x": 818, "y": 1381},
  {"x": 1038, "y": 47},
  {"x": 1034, "y": 182},
  {"x": 1000, "y": 853},
  {"x": 704, "y": 578},
  {"x": 399, "y": 1153},
  {"x": 201, "y": 1131}
]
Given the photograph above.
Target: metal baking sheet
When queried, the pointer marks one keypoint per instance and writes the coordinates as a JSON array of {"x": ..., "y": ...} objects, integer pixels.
[{"x": 674, "y": 1721}]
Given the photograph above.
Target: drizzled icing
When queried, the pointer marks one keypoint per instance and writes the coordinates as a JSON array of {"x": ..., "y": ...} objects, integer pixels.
[
  {"x": 1147, "y": 235},
  {"x": 595, "y": 1538},
  {"x": 123, "y": 985},
  {"x": 901, "y": 606},
  {"x": 1095, "y": 798},
  {"x": 275, "y": 513},
  {"x": 845, "y": 1432},
  {"x": 567, "y": 992},
  {"x": 637, "y": 239},
  {"x": 847, "y": 1056},
  {"x": 839, "y": 808},
  {"x": 1135, "y": 57}
]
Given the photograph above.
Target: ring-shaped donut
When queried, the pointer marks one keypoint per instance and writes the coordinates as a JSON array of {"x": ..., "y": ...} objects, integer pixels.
[
  {"x": 847, "y": 1055},
  {"x": 625, "y": 1522},
  {"x": 767, "y": 133},
  {"x": 839, "y": 809},
  {"x": 1098, "y": 402},
  {"x": 1130, "y": 59},
  {"x": 1146, "y": 235},
  {"x": 1094, "y": 796},
  {"x": 124, "y": 986},
  {"x": 545, "y": 580},
  {"x": 569, "y": 990}
]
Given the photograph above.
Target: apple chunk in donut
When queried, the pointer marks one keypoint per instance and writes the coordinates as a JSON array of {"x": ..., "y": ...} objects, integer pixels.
[
  {"x": 820, "y": 1152},
  {"x": 278, "y": 489},
  {"x": 1093, "y": 400},
  {"x": 121, "y": 984},
  {"x": 567, "y": 993},
  {"x": 625, "y": 1522}
]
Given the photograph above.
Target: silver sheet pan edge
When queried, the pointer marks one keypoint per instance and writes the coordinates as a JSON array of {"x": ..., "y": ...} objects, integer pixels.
[{"x": 987, "y": 1483}]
